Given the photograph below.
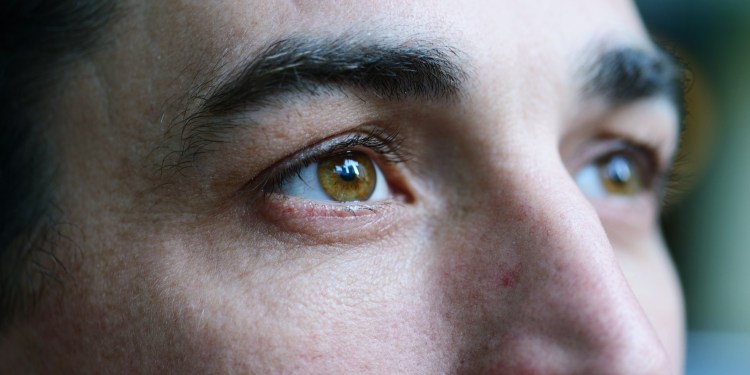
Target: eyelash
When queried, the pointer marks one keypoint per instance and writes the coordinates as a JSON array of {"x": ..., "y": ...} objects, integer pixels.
[{"x": 386, "y": 145}]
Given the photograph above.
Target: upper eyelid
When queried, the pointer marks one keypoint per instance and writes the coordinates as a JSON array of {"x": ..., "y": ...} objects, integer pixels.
[
  {"x": 642, "y": 151},
  {"x": 653, "y": 124},
  {"x": 609, "y": 142},
  {"x": 387, "y": 144}
]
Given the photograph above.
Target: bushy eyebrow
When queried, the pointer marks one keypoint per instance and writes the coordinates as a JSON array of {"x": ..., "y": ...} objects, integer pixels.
[
  {"x": 301, "y": 65},
  {"x": 414, "y": 70},
  {"x": 626, "y": 74}
]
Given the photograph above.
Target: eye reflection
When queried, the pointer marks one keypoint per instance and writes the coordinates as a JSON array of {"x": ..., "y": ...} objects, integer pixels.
[
  {"x": 347, "y": 178},
  {"x": 620, "y": 176},
  {"x": 614, "y": 175}
]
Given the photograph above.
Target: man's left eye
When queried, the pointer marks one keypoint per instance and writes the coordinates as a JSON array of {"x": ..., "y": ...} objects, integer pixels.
[
  {"x": 348, "y": 177},
  {"x": 617, "y": 174}
]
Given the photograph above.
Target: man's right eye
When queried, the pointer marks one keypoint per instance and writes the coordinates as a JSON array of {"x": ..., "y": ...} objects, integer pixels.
[
  {"x": 357, "y": 167},
  {"x": 349, "y": 177}
]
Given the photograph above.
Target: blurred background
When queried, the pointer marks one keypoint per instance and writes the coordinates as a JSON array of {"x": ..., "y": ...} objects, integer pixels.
[{"x": 708, "y": 225}]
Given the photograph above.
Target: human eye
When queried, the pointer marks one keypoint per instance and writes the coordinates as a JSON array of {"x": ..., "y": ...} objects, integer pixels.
[
  {"x": 344, "y": 169},
  {"x": 624, "y": 170},
  {"x": 351, "y": 176}
]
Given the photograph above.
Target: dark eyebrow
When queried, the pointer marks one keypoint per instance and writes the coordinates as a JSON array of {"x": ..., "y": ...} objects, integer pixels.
[
  {"x": 399, "y": 71},
  {"x": 300, "y": 65},
  {"x": 624, "y": 75}
]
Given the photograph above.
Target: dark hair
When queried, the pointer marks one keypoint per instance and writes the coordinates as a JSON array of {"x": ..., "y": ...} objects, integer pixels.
[{"x": 38, "y": 41}]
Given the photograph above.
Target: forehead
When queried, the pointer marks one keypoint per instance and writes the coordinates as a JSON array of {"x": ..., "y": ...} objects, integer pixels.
[
  {"x": 485, "y": 30},
  {"x": 512, "y": 50}
]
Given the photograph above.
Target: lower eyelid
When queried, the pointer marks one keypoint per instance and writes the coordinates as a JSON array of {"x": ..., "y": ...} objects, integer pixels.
[
  {"x": 300, "y": 223},
  {"x": 326, "y": 219},
  {"x": 300, "y": 207}
]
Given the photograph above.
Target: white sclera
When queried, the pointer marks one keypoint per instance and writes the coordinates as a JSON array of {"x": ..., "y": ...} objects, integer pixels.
[{"x": 590, "y": 182}]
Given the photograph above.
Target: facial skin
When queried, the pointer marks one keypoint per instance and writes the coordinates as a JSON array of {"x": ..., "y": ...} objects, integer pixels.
[{"x": 489, "y": 253}]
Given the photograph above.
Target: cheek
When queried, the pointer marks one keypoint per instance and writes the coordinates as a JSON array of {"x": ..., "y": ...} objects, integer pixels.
[
  {"x": 354, "y": 310},
  {"x": 653, "y": 279}
]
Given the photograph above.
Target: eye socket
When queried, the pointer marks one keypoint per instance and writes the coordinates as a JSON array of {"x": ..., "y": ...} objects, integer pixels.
[
  {"x": 618, "y": 174},
  {"x": 348, "y": 177}
]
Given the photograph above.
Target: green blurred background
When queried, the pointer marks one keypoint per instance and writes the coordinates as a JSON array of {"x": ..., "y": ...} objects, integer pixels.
[{"x": 708, "y": 229}]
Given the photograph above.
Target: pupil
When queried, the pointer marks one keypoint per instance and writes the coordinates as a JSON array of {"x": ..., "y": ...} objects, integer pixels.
[{"x": 349, "y": 171}]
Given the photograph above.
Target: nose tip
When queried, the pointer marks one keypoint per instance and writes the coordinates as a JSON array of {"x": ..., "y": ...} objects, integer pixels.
[
  {"x": 582, "y": 329},
  {"x": 540, "y": 355},
  {"x": 617, "y": 339},
  {"x": 592, "y": 312},
  {"x": 636, "y": 350},
  {"x": 576, "y": 313}
]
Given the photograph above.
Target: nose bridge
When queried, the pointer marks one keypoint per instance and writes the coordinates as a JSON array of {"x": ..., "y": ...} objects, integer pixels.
[
  {"x": 562, "y": 244},
  {"x": 560, "y": 287},
  {"x": 575, "y": 283}
]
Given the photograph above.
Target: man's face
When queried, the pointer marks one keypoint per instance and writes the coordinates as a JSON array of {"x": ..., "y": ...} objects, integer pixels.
[{"x": 394, "y": 187}]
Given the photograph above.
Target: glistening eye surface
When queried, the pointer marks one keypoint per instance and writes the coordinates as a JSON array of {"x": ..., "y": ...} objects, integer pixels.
[
  {"x": 349, "y": 177},
  {"x": 616, "y": 174}
]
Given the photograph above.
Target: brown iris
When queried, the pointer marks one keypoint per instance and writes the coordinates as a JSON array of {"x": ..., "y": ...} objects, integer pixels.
[
  {"x": 349, "y": 177},
  {"x": 620, "y": 176}
]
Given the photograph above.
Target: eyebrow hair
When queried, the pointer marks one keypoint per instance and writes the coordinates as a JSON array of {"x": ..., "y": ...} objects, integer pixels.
[
  {"x": 300, "y": 65},
  {"x": 626, "y": 74},
  {"x": 418, "y": 70}
]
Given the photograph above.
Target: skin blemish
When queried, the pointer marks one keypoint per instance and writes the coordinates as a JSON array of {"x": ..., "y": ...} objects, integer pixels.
[
  {"x": 522, "y": 212},
  {"x": 477, "y": 288},
  {"x": 509, "y": 277}
]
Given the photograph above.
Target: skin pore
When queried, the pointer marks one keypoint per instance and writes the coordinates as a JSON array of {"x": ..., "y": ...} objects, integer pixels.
[{"x": 489, "y": 252}]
